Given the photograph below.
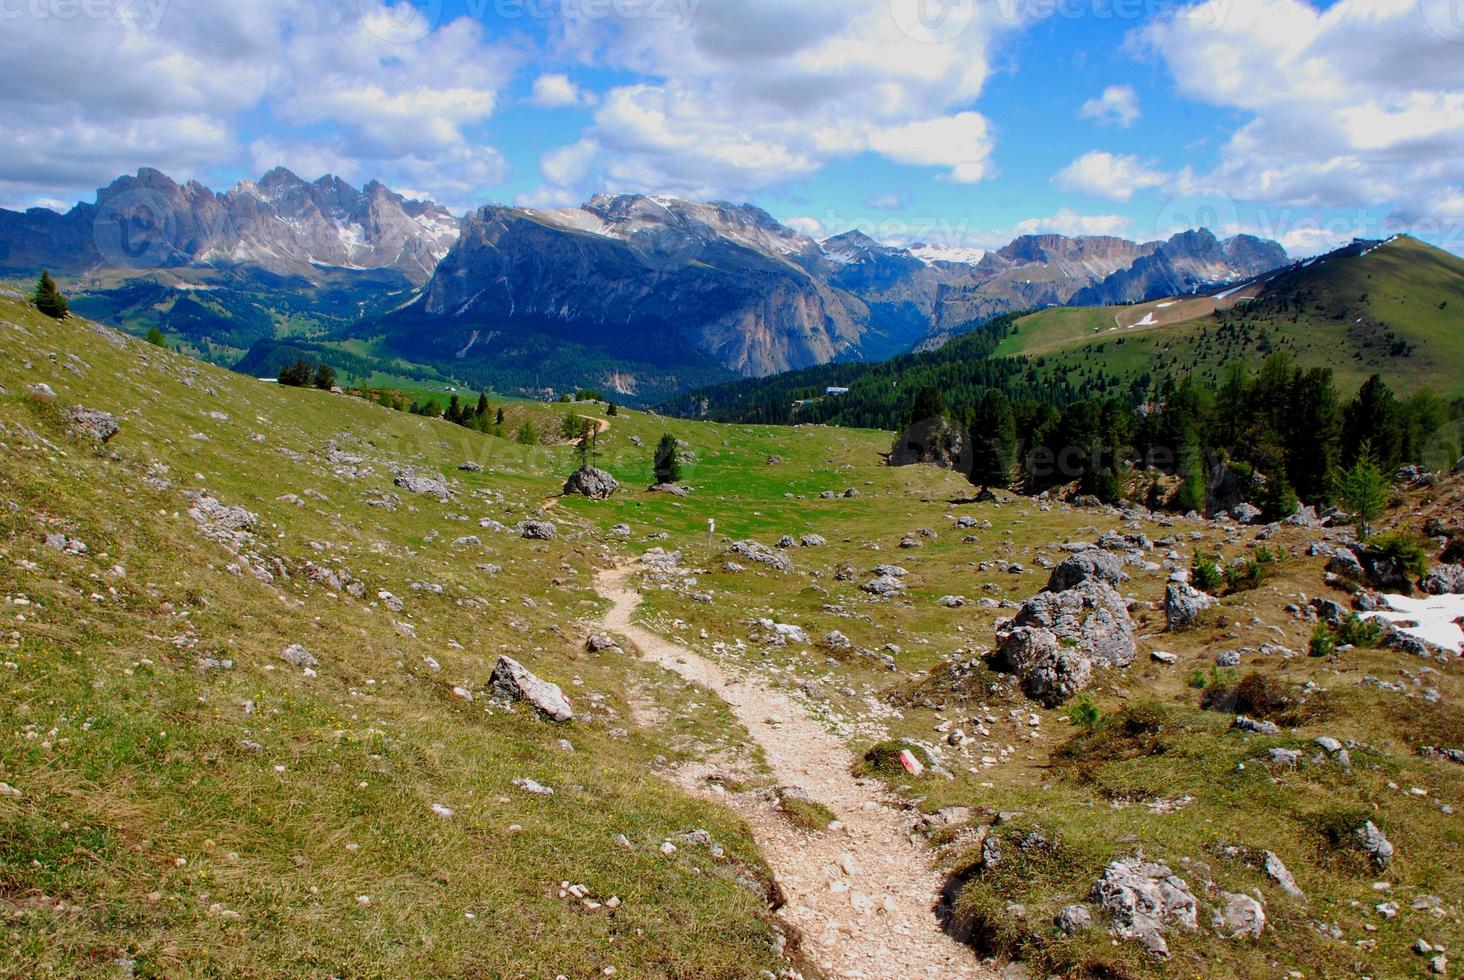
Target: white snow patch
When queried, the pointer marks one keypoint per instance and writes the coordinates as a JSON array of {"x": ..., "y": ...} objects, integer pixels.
[
  {"x": 1431, "y": 618},
  {"x": 1147, "y": 321},
  {"x": 1231, "y": 292},
  {"x": 931, "y": 254},
  {"x": 1165, "y": 306}
]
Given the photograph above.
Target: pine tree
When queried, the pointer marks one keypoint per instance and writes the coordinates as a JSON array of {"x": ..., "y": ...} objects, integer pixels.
[
  {"x": 295, "y": 375},
  {"x": 325, "y": 377},
  {"x": 498, "y": 420},
  {"x": 666, "y": 462},
  {"x": 155, "y": 337},
  {"x": 482, "y": 410},
  {"x": 613, "y": 410},
  {"x": 993, "y": 433},
  {"x": 526, "y": 436},
  {"x": 48, "y": 298},
  {"x": 1373, "y": 419},
  {"x": 1362, "y": 492}
]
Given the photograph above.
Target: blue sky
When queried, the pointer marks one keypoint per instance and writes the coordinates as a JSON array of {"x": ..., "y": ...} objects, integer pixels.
[{"x": 963, "y": 122}]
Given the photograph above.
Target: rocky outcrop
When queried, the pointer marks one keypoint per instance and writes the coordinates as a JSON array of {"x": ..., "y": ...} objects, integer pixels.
[
  {"x": 428, "y": 484},
  {"x": 762, "y": 554},
  {"x": 91, "y": 423},
  {"x": 591, "y": 482},
  {"x": 513, "y": 680},
  {"x": 933, "y": 442},
  {"x": 1059, "y": 637},
  {"x": 1144, "y": 898},
  {"x": 1183, "y": 605},
  {"x": 1443, "y": 580}
]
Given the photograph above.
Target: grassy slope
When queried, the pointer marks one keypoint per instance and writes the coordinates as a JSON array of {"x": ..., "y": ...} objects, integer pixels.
[
  {"x": 414, "y": 744},
  {"x": 145, "y": 823},
  {"x": 1096, "y": 805},
  {"x": 1349, "y": 307}
]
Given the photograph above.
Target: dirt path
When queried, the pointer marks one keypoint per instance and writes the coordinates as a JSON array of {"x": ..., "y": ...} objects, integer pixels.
[{"x": 863, "y": 896}]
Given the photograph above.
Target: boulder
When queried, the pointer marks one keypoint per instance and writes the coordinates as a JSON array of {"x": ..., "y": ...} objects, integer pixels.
[
  {"x": 1278, "y": 873},
  {"x": 883, "y": 585},
  {"x": 812, "y": 541},
  {"x": 1240, "y": 916},
  {"x": 1443, "y": 580},
  {"x": 1144, "y": 898},
  {"x": 1376, "y": 844},
  {"x": 1074, "y": 919},
  {"x": 670, "y": 488},
  {"x": 591, "y": 482},
  {"x": 431, "y": 484},
  {"x": 1245, "y": 513},
  {"x": 1084, "y": 566},
  {"x": 515, "y": 681},
  {"x": 762, "y": 554},
  {"x": 538, "y": 530},
  {"x": 1056, "y": 639},
  {"x": 1183, "y": 604},
  {"x": 91, "y": 423}
]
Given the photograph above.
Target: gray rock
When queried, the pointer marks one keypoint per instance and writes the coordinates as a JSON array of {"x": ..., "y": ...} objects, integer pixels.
[
  {"x": 1286, "y": 757},
  {"x": 1183, "y": 604},
  {"x": 672, "y": 489},
  {"x": 516, "y": 681},
  {"x": 431, "y": 484},
  {"x": 1057, "y": 638},
  {"x": 1093, "y": 565},
  {"x": 538, "y": 530},
  {"x": 91, "y": 423},
  {"x": 812, "y": 541},
  {"x": 591, "y": 482},
  {"x": 1227, "y": 658},
  {"x": 892, "y": 570},
  {"x": 1165, "y": 658},
  {"x": 1278, "y": 873},
  {"x": 471, "y": 467},
  {"x": 763, "y": 555},
  {"x": 1329, "y": 744},
  {"x": 1240, "y": 916},
  {"x": 1344, "y": 562},
  {"x": 883, "y": 585},
  {"x": 1245, "y": 513},
  {"x": 787, "y": 541},
  {"x": 1329, "y": 611},
  {"x": 1074, "y": 919},
  {"x": 297, "y": 656},
  {"x": 1376, "y": 844},
  {"x": 1144, "y": 898},
  {"x": 1443, "y": 580},
  {"x": 1255, "y": 727}
]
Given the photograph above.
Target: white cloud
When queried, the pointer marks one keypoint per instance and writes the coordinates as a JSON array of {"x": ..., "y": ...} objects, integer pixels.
[
  {"x": 886, "y": 202},
  {"x": 1109, "y": 175},
  {"x": 1117, "y": 106},
  {"x": 1069, "y": 222},
  {"x": 556, "y": 91},
  {"x": 176, "y": 93},
  {"x": 1358, "y": 103},
  {"x": 756, "y": 92}
]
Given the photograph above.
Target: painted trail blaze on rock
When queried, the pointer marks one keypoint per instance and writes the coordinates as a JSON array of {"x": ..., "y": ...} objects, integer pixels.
[{"x": 912, "y": 765}]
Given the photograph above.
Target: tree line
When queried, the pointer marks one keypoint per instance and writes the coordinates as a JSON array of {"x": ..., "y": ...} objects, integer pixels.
[{"x": 1271, "y": 437}]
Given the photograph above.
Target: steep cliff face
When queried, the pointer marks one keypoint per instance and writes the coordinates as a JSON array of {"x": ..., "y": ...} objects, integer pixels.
[
  {"x": 1187, "y": 262},
  {"x": 727, "y": 282},
  {"x": 281, "y": 224}
]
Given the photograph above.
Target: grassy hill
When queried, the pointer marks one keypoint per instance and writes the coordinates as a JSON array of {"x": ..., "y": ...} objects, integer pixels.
[
  {"x": 188, "y": 803},
  {"x": 1395, "y": 308}
]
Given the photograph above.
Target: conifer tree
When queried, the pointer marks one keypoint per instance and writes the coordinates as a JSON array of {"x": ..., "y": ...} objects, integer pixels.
[{"x": 48, "y": 298}]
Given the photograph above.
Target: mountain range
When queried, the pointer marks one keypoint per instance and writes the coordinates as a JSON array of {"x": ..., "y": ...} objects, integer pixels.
[{"x": 643, "y": 295}]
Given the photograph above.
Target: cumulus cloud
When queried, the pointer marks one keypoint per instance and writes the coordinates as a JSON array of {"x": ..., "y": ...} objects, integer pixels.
[
  {"x": 1069, "y": 222},
  {"x": 175, "y": 92},
  {"x": 1117, "y": 106},
  {"x": 1357, "y": 103},
  {"x": 557, "y": 91},
  {"x": 1109, "y": 175},
  {"x": 753, "y": 92}
]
